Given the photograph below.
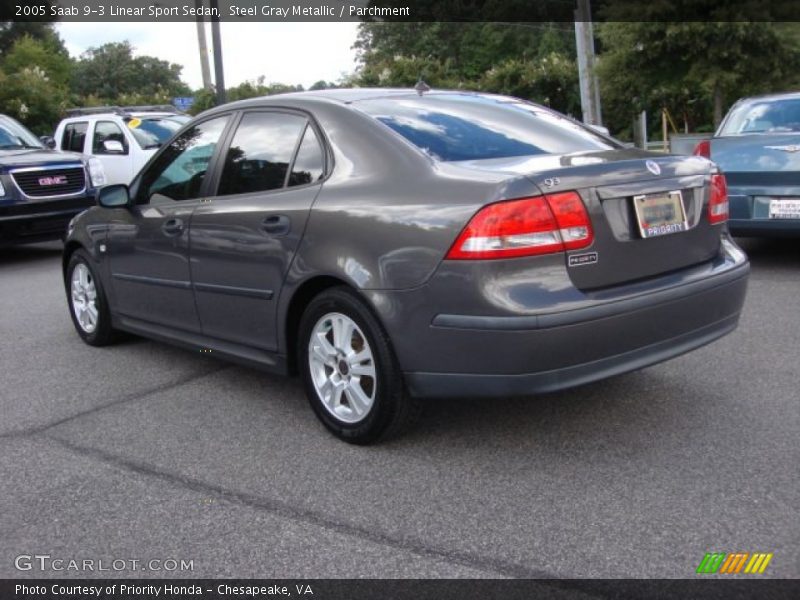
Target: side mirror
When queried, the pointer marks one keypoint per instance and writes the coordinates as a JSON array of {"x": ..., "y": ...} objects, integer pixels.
[
  {"x": 48, "y": 140},
  {"x": 114, "y": 196},
  {"x": 113, "y": 147}
]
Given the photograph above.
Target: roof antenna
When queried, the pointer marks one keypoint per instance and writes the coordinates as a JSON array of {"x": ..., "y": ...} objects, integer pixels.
[{"x": 422, "y": 87}]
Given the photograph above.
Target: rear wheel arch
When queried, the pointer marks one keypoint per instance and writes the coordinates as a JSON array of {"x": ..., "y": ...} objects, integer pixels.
[{"x": 300, "y": 300}]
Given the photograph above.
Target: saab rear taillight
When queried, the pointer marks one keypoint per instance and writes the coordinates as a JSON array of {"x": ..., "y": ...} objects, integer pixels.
[
  {"x": 525, "y": 227},
  {"x": 703, "y": 149},
  {"x": 718, "y": 202}
]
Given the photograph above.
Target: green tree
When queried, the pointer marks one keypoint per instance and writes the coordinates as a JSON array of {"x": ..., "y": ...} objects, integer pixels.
[
  {"x": 205, "y": 99},
  {"x": 11, "y": 31},
  {"x": 549, "y": 79},
  {"x": 33, "y": 83},
  {"x": 30, "y": 52},
  {"x": 531, "y": 60},
  {"x": 323, "y": 85},
  {"x": 695, "y": 69},
  {"x": 112, "y": 71},
  {"x": 29, "y": 96}
]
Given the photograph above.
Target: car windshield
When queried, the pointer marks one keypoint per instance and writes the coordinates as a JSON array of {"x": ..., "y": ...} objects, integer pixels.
[
  {"x": 763, "y": 116},
  {"x": 152, "y": 132},
  {"x": 14, "y": 135},
  {"x": 456, "y": 127}
]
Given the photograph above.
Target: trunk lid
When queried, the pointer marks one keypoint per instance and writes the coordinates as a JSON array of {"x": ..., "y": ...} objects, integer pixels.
[
  {"x": 608, "y": 182},
  {"x": 771, "y": 154}
]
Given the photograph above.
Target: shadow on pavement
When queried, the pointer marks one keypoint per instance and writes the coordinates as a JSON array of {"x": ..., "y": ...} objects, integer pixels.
[
  {"x": 772, "y": 252},
  {"x": 24, "y": 253}
]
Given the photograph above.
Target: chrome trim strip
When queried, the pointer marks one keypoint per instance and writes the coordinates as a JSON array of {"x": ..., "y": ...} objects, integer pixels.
[
  {"x": 234, "y": 291},
  {"x": 81, "y": 166},
  {"x": 47, "y": 167},
  {"x": 184, "y": 285}
]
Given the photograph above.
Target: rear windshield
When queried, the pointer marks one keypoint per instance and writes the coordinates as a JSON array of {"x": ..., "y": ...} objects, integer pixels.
[
  {"x": 763, "y": 116},
  {"x": 454, "y": 127}
]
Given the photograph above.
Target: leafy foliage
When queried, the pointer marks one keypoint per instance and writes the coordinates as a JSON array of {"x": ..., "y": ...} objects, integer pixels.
[
  {"x": 529, "y": 60},
  {"x": 34, "y": 83},
  {"x": 695, "y": 69},
  {"x": 112, "y": 71},
  {"x": 205, "y": 99}
]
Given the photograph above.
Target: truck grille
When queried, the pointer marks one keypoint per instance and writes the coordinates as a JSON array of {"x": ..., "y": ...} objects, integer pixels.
[{"x": 43, "y": 183}]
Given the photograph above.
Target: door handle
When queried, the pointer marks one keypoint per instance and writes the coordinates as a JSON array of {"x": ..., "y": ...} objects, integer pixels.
[
  {"x": 172, "y": 226},
  {"x": 276, "y": 225}
]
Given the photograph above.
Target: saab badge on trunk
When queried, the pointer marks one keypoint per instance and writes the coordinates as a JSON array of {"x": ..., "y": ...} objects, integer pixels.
[{"x": 653, "y": 167}]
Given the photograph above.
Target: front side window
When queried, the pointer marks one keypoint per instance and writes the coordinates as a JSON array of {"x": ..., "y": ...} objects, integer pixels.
[
  {"x": 458, "y": 127},
  {"x": 108, "y": 131},
  {"x": 74, "y": 136},
  {"x": 179, "y": 171},
  {"x": 260, "y": 153}
]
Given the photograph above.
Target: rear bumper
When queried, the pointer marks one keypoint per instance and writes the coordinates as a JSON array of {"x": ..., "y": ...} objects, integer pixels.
[
  {"x": 520, "y": 355},
  {"x": 26, "y": 222},
  {"x": 446, "y": 385},
  {"x": 749, "y": 210}
]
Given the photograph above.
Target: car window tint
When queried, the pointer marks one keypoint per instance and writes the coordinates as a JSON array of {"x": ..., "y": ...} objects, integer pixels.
[
  {"x": 260, "y": 153},
  {"x": 178, "y": 172},
  {"x": 455, "y": 127},
  {"x": 308, "y": 165},
  {"x": 770, "y": 115},
  {"x": 107, "y": 131},
  {"x": 154, "y": 131},
  {"x": 74, "y": 136}
]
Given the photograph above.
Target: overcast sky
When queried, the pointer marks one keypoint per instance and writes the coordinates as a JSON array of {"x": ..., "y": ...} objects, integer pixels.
[{"x": 291, "y": 53}]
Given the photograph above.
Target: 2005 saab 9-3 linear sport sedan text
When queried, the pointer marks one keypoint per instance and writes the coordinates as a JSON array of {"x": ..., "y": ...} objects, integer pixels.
[{"x": 391, "y": 245}]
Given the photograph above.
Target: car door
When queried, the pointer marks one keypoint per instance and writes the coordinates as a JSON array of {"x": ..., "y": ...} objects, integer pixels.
[
  {"x": 116, "y": 160},
  {"x": 244, "y": 238},
  {"x": 148, "y": 244}
]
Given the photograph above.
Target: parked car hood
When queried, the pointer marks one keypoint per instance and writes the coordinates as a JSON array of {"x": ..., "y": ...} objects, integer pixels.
[{"x": 34, "y": 158}]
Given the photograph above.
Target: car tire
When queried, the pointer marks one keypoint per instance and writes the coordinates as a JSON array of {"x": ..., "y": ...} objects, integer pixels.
[
  {"x": 88, "y": 305},
  {"x": 349, "y": 370}
]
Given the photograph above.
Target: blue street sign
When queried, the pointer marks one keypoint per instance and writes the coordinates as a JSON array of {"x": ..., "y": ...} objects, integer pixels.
[{"x": 183, "y": 103}]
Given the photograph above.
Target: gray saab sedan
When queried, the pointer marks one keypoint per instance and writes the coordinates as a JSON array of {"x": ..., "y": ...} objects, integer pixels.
[{"x": 392, "y": 245}]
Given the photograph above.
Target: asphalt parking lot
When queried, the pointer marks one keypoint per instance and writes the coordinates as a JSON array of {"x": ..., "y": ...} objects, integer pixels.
[{"x": 143, "y": 451}]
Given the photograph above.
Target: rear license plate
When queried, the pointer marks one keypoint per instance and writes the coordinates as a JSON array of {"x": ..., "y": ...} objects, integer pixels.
[
  {"x": 660, "y": 214},
  {"x": 784, "y": 209}
]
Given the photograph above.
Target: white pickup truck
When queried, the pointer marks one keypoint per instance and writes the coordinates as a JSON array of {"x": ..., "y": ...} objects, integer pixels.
[{"x": 122, "y": 138}]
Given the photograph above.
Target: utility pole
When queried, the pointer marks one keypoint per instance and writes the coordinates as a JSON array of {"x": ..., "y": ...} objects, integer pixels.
[
  {"x": 201, "y": 43},
  {"x": 216, "y": 40},
  {"x": 584, "y": 41}
]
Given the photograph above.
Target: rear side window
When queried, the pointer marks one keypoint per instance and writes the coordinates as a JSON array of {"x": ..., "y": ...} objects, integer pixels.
[
  {"x": 260, "y": 153},
  {"x": 309, "y": 165},
  {"x": 74, "y": 136},
  {"x": 107, "y": 131},
  {"x": 455, "y": 127}
]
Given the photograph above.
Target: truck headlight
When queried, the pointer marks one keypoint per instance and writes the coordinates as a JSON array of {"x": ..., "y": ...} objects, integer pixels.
[{"x": 96, "y": 172}]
